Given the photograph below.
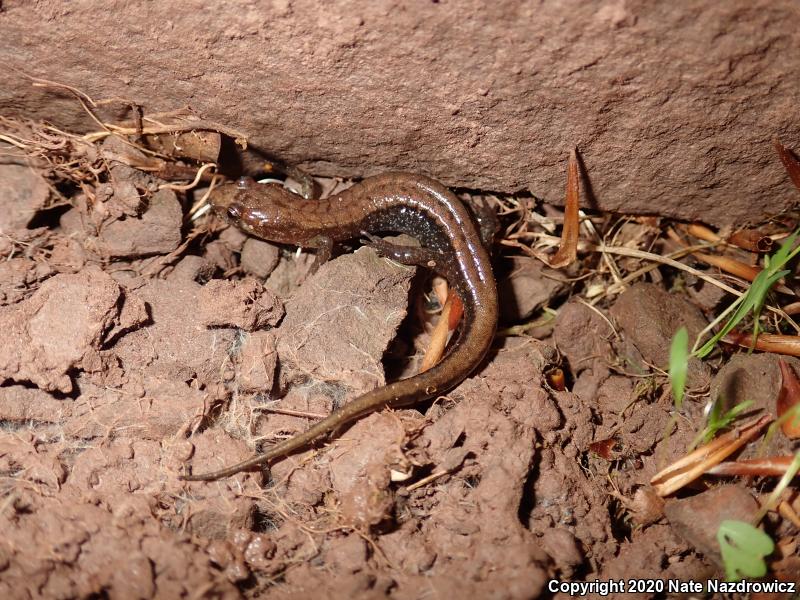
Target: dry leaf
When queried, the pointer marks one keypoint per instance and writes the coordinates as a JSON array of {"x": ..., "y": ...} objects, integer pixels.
[
  {"x": 791, "y": 309},
  {"x": 702, "y": 232},
  {"x": 568, "y": 248},
  {"x": 766, "y": 342},
  {"x": 788, "y": 399},
  {"x": 752, "y": 240},
  {"x": 604, "y": 448},
  {"x": 789, "y": 161},
  {"x": 729, "y": 265},
  {"x": 451, "y": 314},
  {"x": 772, "y": 466}
]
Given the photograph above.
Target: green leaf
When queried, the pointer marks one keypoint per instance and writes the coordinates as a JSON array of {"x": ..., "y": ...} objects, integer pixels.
[
  {"x": 717, "y": 420},
  {"x": 679, "y": 364},
  {"x": 733, "y": 414},
  {"x": 785, "y": 253},
  {"x": 743, "y": 549}
]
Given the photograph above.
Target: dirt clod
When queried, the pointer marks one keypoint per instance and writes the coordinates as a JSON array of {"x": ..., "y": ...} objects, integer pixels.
[
  {"x": 698, "y": 518},
  {"x": 259, "y": 258},
  {"x": 528, "y": 286},
  {"x": 650, "y": 316},
  {"x": 23, "y": 192},
  {"x": 356, "y": 301},
  {"x": 44, "y": 346},
  {"x": 243, "y": 304}
]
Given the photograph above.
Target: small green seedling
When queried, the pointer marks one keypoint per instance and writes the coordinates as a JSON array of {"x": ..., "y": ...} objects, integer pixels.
[
  {"x": 744, "y": 546},
  {"x": 717, "y": 420},
  {"x": 679, "y": 365},
  {"x": 743, "y": 549}
]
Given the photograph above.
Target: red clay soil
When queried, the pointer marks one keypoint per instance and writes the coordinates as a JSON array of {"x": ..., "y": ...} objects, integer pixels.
[{"x": 128, "y": 357}]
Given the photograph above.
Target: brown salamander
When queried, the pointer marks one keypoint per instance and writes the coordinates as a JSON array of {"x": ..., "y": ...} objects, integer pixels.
[{"x": 392, "y": 202}]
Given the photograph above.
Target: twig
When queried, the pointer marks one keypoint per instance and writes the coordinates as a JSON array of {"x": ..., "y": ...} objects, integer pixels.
[{"x": 289, "y": 412}]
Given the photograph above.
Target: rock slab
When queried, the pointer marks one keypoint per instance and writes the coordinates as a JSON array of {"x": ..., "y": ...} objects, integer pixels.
[{"x": 672, "y": 106}]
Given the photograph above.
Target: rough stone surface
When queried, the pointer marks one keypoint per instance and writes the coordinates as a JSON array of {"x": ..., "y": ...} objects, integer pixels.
[
  {"x": 672, "y": 107},
  {"x": 244, "y": 304},
  {"x": 156, "y": 231}
]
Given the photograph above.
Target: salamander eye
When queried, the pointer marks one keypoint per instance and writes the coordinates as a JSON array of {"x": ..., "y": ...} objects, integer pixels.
[
  {"x": 234, "y": 211},
  {"x": 243, "y": 183}
]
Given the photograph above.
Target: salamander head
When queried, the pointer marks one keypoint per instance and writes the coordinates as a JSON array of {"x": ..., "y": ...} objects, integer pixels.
[
  {"x": 258, "y": 209},
  {"x": 229, "y": 202}
]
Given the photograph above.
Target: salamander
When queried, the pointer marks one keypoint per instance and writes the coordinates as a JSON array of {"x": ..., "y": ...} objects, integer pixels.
[{"x": 451, "y": 246}]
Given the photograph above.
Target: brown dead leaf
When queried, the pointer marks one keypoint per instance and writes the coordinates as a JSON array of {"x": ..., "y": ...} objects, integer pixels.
[
  {"x": 723, "y": 263},
  {"x": 770, "y": 466},
  {"x": 702, "y": 232},
  {"x": 788, "y": 400},
  {"x": 604, "y": 448},
  {"x": 729, "y": 265},
  {"x": 752, "y": 240},
  {"x": 766, "y": 342},
  {"x": 789, "y": 161},
  {"x": 451, "y": 315},
  {"x": 787, "y": 512},
  {"x": 568, "y": 248}
]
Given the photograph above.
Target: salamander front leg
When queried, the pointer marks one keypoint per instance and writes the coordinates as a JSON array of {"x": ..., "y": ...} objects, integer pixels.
[
  {"x": 485, "y": 216},
  {"x": 406, "y": 255},
  {"x": 324, "y": 247}
]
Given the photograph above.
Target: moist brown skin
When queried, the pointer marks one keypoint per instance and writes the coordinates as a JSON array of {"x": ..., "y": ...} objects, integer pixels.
[{"x": 392, "y": 202}]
